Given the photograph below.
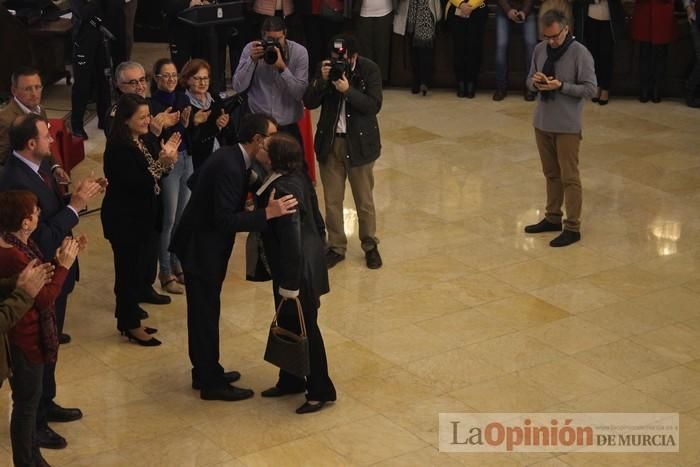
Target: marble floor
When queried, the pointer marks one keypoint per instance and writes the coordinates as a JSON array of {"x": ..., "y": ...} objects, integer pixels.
[{"x": 468, "y": 314}]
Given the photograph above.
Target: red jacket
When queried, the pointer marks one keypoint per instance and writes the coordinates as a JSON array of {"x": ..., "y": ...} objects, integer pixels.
[
  {"x": 653, "y": 21},
  {"x": 25, "y": 334}
]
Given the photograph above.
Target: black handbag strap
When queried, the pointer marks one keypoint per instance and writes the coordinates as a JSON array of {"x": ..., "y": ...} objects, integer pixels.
[{"x": 302, "y": 323}]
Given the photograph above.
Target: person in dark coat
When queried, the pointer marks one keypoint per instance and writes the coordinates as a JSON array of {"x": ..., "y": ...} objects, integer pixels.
[
  {"x": 654, "y": 27},
  {"x": 27, "y": 169},
  {"x": 130, "y": 209},
  {"x": 203, "y": 241},
  {"x": 599, "y": 24},
  {"x": 294, "y": 247}
]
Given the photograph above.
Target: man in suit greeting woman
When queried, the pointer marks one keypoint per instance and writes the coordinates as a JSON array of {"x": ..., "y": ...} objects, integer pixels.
[{"x": 204, "y": 241}]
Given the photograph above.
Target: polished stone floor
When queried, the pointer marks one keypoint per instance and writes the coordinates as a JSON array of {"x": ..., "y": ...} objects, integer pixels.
[{"x": 468, "y": 314}]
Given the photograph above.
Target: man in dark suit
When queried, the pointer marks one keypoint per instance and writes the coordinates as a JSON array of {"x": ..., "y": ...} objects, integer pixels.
[
  {"x": 26, "y": 169},
  {"x": 204, "y": 241}
]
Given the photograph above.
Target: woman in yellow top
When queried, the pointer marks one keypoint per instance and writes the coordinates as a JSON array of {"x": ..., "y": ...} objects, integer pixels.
[{"x": 467, "y": 22}]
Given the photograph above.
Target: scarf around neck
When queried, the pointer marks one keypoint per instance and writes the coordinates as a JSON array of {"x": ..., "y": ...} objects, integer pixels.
[{"x": 553, "y": 56}]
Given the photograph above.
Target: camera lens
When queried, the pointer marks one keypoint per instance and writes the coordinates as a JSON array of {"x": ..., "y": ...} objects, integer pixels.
[{"x": 270, "y": 56}]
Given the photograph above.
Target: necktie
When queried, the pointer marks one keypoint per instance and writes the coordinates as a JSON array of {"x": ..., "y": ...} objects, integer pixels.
[{"x": 48, "y": 181}]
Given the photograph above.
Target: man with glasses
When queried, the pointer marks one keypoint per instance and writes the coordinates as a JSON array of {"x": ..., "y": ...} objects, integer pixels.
[
  {"x": 131, "y": 79},
  {"x": 563, "y": 73},
  {"x": 204, "y": 239},
  {"x": 26, "y": 91}
]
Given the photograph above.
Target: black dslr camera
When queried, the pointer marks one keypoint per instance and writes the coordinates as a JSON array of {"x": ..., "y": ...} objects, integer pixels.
[
  {"x": 340, "y": 64},
  {"x": 271, "y": 46}
]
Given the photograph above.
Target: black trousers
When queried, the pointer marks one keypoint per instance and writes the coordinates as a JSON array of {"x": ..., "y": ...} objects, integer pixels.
[
  {"x": 600, "y": 42},
  {"x": 694, "y": 78},
  {"x": 468, "y": 38},
  {"x": 89, "y": 63},
  {"x": 422, "y": 58},
  {"x": 318, "y": 384},
  {"x": 48, "y": 393},
  {"x": 203, "y": 312},
  {"x": 26, "y": 383},
  {"x": 375, "y": 37},
  {"x": 148, "y": 262},
  {"x": 319, "y": 31},
  {"x": 652, "y": 65},
  {"x": 127, "y": 280}
]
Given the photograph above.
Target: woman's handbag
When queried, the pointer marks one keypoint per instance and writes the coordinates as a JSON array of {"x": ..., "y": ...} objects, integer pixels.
[{"x": 287, "y": 350}]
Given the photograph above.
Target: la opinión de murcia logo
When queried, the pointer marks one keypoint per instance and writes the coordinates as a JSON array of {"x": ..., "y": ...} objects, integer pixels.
[{"x": 587, "y": 432}]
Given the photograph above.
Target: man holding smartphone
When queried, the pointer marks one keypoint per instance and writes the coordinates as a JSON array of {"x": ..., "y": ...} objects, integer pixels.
[
  {"x": 563, "y": 73},
  {"x": 513, "y": 14}
]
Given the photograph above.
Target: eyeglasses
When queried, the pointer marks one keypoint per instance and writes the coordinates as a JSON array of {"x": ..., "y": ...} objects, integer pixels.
[
  {"x": 36, "y": 87},
  {"x": 135, "y": 82},
  {"x": 167, "y": 76},
  {"x": 555, "y": 36},
  {"x": 201, "y": 79}
]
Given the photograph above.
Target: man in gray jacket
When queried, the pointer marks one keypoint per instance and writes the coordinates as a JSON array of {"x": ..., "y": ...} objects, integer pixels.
[{"x": 563, "y": 73}]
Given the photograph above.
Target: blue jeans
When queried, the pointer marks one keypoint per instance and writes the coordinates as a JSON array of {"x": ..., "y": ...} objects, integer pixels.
[
  {"x": 175, "y": 195},
  {"x": 503, "y": 30}
]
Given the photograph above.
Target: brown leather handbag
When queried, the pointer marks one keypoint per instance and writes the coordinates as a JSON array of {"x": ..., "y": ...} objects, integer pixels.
[{"x": 287, "y": 350}]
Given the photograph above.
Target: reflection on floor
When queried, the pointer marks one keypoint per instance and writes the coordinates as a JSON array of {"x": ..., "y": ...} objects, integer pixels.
[{"x": 468, "y": 313}]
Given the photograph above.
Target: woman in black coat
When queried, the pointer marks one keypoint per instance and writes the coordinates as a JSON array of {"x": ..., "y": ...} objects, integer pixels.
[
  {"x": 134, "y": 165},
  {"x": 294, "y": 247},
  {"x": 599, "y": 24}
]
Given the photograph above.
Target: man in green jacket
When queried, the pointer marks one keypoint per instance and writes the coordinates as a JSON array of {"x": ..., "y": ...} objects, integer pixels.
[{"x": 16, "y": 298}]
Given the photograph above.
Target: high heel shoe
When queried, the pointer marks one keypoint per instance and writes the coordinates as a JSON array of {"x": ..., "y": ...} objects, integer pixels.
[
  {"x": 152, "y": 342},
  {"x": 424, "y": 89}
]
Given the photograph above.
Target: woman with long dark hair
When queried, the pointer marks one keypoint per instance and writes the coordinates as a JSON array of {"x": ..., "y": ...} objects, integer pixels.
[
  {"x": 295, "y": 249},
  {"x": 175, "y": 193},
  {"x": 134, "y": 165}
]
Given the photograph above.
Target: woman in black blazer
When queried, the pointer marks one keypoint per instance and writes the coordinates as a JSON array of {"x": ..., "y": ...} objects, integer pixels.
[
  {"x": 207, "y": 118},
  {"x": 294, "y": 247},
  {"x": 134, "y": 165}
]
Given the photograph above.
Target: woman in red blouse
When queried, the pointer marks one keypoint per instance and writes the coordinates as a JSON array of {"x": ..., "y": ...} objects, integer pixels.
[{"x": 34, "y": 339}]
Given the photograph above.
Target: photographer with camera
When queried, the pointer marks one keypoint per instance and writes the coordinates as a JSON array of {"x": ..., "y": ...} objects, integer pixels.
[
  {"x": 274, "y": 71},
  {"x": 348, "y": 88}
]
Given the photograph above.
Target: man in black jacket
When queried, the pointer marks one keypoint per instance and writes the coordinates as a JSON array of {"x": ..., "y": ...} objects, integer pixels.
[
  {"x": 203, "y": 241},
  {"x": 26, "y": 169},
  {"x": 347, "y": 143}
]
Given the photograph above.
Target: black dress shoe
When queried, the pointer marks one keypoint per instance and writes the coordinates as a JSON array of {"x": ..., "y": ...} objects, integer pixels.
[
  {"x": 229, "y": 377},
  {"x": 310, "y": 408},
  {"x": 644, "y": 96},
  {"x": 567, "y": 237},
  {"x": 500, "y": 94},
  {"x": 277, "y": 392},
  {"x": 460, "y": 89},
  {"x": 79, "y": 132},
  {"x": 656, "y": 95},
  {"x": 152, "y": 342},
  {"x": 63, "y": 338},
  {"x": 470, "y": 92},
  {"x": 39, "y": 460},
  {"x": 543, "y": 226},
  {"x": 56, "y": 413},
  {"x": 372, "y": 258},
  {"x": 333, "y": 258},
  {"x": 48, "y": 439},
  {"x": 415, "y": 89},
  {"x": 225, "y": 393},
  {"x": 154, "y": 298},
  {"x": 529, "y": 95}
]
